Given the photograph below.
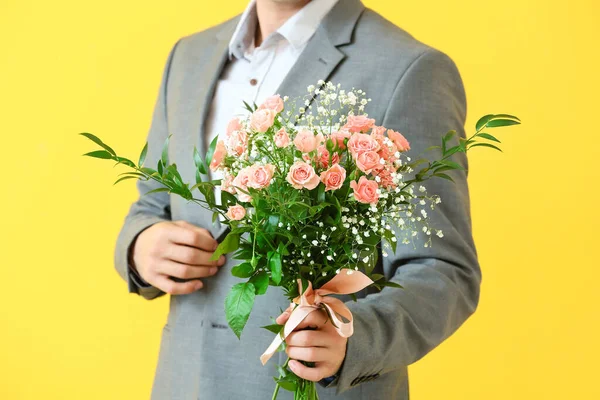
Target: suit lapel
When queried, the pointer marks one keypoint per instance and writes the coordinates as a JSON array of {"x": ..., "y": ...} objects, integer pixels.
[{"x": 321, "y": 55}]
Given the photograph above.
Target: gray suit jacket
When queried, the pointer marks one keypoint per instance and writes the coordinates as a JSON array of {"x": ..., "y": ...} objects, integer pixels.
[{"x": 416, "y": 90}]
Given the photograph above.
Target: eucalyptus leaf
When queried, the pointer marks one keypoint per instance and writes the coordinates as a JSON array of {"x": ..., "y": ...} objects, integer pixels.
[
  {"x": 165, "y": 152},
  {"x": 489, "y": 137},
  {"x": 143, "y": 155},
  {"x": 211, "y": 150},
  {"x": 100, "y": 154},
  {"x": 483, "y": 120},
  {"x": 238, "y": 306},
  {"x": 443, "y": 176},
  {"x": 159, "y": 190},
  {"x": 502, "y": 122},
  {"x": 485, "y": 145},
  {"x": 99, "y": 142},
  {"x": 125, "y": 178}
]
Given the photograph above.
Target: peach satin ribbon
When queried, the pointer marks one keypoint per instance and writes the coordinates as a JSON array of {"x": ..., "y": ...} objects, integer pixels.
[{"x": 346, "y": 282}]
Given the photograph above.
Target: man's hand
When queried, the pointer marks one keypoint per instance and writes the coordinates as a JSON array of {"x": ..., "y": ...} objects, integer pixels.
[
  {"x": 314, "y": 340},
  {"x": 178, "y": 249}
]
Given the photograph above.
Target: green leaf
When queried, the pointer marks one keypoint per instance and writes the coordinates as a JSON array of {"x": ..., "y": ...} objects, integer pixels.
[
  {"x": 211, "y": 150},
  {"x": 391, "y": 284},
  {"x": 488, "y": 137},
  {"x": 275, "y": 266},
  {"x": 321, "y": 193},
  {"x": 276, "y": 329},
  {"x": 243, "y": 270},
  {"x": 208, "y": 190},
  {"x": 100, "y": 154},
  {"x": 200, "y": 165},
  {"x": 289, "y": 382},
  {"x": 485, "y": 145},
  {"x": 125, "y": 178},
  {"x": 502, "y": 122},
  {"x": 483, "y": 120},
  {"x": 162, "y": 189},
  {"x": 248, "y": 107},
  {"x": 238, "y": 306},
  {"x": 165, "y": 152},
  {"x": 451, "y": 164},
  {"x": 260, "y": 282},
  {"x": 443, "y": 176},
  {"x": 125, "y": 161},
  {"x": 227, "y": 199},
  {"x": 99, "y": 142},
  {"x": 229, "y": 244},
  {"x": 506, "y": 116},
  {"x": 143, "y": 155}
]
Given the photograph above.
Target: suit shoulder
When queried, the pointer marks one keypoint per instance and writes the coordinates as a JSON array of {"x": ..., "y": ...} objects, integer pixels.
[
  {"x": 210, "y": 33},
  {"x": 397, "y": 42}
]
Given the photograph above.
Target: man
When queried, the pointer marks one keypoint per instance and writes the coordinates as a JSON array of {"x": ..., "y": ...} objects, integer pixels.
[{"x": 283, "y": 46}]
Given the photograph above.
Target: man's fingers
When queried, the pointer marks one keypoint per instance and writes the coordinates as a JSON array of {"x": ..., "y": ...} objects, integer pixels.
[
  {"x": 184, "y": 271},
  {"x": 307, "y": 338},
  {"x": 310, "y": 354},
  {"x": 171, "y": 287},
  {"x": 314, "y": 320},
  {"x": 310, "y": 374},
  {"x": 190, "y": 235},
  {"x": 191, "y": 256}
]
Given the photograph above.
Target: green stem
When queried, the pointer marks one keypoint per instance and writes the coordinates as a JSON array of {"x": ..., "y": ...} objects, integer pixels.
[{"x": 275, "y": 392}]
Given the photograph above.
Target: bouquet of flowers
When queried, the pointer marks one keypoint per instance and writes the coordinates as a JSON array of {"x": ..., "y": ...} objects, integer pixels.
[{"x": 312, "y": 196}]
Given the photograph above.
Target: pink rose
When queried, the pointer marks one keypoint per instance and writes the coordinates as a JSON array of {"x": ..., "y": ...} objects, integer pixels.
[
  {"x": 259, "y": 176},
  {"x": 240, "y": 183},
  {"x": 323, "y": 157},
  {"x": 365, "y": 191},
  {"x": 234, "y": 125},
  {"x": 399, "y": 140},
  {"x": 306, "y": 141},
  {"x": 359, "y": 143},
  {"x": 262, "y": 120},
  {"x": 274, "y": 103},
  {"x": 339, "y": 138},
  {"x": 236, "y": 213},
  {"x": 302, "y": 175},
  {"x": 368, "y": 161},
  {"x": 282, "y": 138},
  {"x": 334, "y": 177},
  {"x": 227, "y": 184},
  {"x": 218, "y": 155},
  {"x": 378, "y": 130},
  {"x": 385, "y": 174},
  {"x": 237, "y": 142},
  {"x": 359, "y": 123}
]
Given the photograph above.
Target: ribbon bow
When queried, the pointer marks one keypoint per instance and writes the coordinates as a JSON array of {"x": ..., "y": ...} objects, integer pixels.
[{"x": 346, "y": 281}]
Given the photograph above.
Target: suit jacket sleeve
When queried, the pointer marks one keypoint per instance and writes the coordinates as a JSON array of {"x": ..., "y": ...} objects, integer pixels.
[
  {"x": 148, "y": 209},
  {"x": 397, "y": 327}
]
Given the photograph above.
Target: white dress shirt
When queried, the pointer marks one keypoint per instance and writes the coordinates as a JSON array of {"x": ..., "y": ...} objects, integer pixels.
[{"x": 255, "y": 73}]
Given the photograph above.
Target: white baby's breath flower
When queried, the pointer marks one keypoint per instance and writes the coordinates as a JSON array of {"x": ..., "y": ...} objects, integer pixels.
[
  {"x": 315, "y": 243},
  {"x": 422, "y": 189}
]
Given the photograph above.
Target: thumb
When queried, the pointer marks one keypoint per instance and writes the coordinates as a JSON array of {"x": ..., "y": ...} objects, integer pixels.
[{"x": 283, "y": 318}]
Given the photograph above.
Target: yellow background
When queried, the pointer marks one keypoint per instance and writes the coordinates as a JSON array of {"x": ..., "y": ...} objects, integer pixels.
[{"x": 70, "y": 330}]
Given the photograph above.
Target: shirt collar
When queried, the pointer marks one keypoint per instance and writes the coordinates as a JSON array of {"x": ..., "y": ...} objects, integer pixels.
[{"x": 297, "y": 30}]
